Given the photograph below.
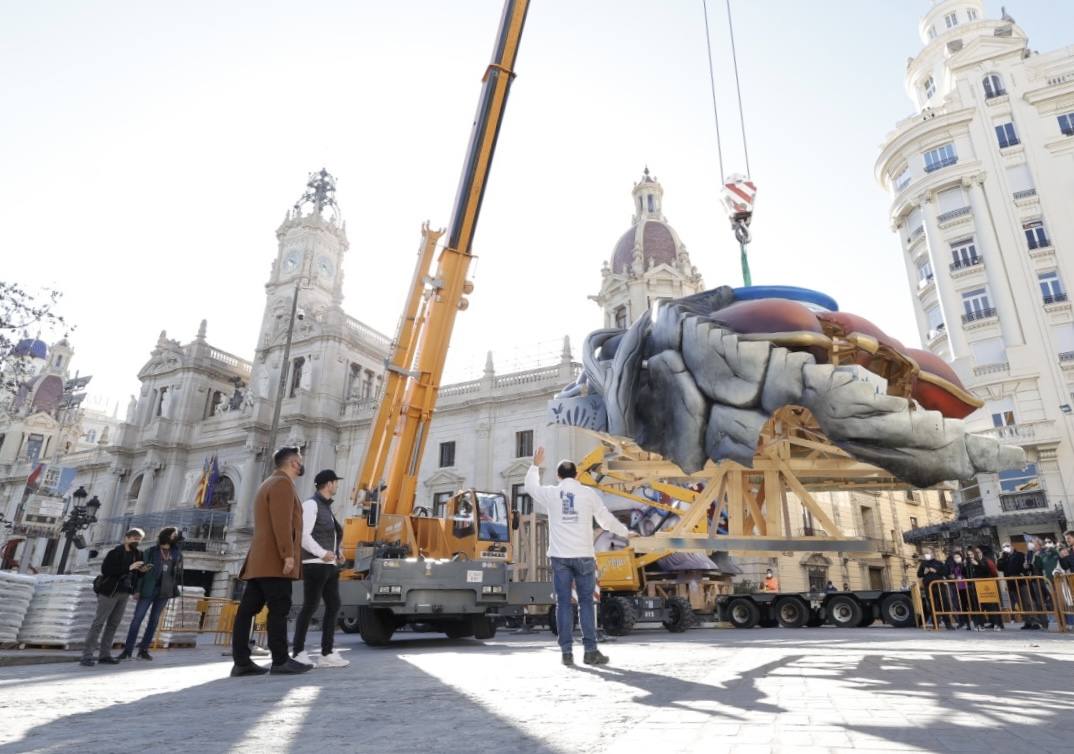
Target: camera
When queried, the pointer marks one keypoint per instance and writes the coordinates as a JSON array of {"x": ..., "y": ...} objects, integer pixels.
[{"x": 300, "y": 315}]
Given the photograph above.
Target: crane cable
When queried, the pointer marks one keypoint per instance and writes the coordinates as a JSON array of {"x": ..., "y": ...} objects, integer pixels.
[
  {"x": 738, "y": 87},
  {"x": 712, "y": 86}
]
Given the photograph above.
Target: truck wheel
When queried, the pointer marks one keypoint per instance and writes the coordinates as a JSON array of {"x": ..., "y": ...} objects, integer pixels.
[
  {"x": 680, "y": 615},
  {"x": 458, "y": 629},
  {"x": 844, "y": 612},
  {"x": 791, "y": 612},
  {"x": 814, "y": 619},
  {"x": 896, "y": 610},
  {"x": 866, "y": 620},
  {"x": 482, "y": 627},
  {"x": 743, "y": 613},
  {"x": 376, "y": 625},
  {"x": 348, "y": 624},
  {"x": 617, "y": 615}
]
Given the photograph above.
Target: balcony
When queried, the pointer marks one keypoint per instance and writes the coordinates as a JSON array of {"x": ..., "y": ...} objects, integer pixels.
[
  {"x": 966, "y": 264},
  {"x": 944, "y": 163},
  {"x": 1065, "y": 358},
  {"x": 950, "y": 215},
  {"x": 1025, "y": 194},
  {"x": 986, "y": 369},
  {"x": 995, "y": 93},
  {"x": 1054, "y": 298},
  {"x": 978, "y": 315},
  {"x": 970, "y": 509},
  {"x": 1022, "y": 501},
  {"x": 204, "y": 529}
]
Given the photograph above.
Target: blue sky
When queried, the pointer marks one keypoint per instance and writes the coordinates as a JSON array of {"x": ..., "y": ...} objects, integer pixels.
[{"x": 150, "y": 151}]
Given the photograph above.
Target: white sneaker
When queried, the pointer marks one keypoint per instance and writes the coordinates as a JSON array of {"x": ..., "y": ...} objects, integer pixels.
[
  {"x": 304, "y": 658},
  {"x": 334, "y": 660}
]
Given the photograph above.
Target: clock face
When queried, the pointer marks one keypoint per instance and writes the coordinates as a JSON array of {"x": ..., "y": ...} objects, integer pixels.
[
  {"x": 324, "y": 266},
  {"x": 290, "y": 263}
]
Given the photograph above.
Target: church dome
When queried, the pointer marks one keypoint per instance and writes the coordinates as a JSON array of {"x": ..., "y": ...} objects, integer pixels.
[
  {"x": 650, "y": 232},
  {"x": 657, "y": 244},
  {"x": 31, "y": 347}
]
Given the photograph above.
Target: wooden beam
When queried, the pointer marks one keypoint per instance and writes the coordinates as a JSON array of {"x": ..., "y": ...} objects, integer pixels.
[{"x": 807, "y": 500}]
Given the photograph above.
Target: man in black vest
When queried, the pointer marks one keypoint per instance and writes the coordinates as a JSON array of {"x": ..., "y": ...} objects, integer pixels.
[{"x": 322, "y": 540}]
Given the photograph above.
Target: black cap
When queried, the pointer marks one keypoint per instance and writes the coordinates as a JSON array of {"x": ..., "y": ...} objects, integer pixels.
[{"x": 324, "y": 477}]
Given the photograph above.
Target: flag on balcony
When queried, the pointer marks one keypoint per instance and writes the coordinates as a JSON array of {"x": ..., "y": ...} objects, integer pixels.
[
  {"x": 199, "y": 491},
  {"x": 210, "y": 486}
]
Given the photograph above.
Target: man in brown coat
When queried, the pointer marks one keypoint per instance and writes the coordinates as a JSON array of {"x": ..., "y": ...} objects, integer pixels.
[{"x": 272, "y": 564}]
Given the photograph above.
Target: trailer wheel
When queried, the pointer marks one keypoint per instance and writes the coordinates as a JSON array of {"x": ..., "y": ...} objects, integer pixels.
[
  {"x": 844, "y": 612},
  {"x": 483, "y": 627},
  {"x": 458, "y": 629},
  {"x": 814, "y": 619},
  {"x": 617, "y": 615},
  {"x": 348, "y": 624},
  {"x": 376, "y": 625},
  {"x": 896, "y": 610},
  {"x": 743, "y": 613},
  {"x": 680, "y": 615},
  {"x": 791, "y": 612},
  {"x": 867, "y": 620}
]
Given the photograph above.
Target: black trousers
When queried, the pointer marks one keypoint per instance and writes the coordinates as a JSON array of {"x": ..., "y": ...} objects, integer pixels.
[
  {"x": 276, "y": 593},
  {"x": 320, "y": 580}
]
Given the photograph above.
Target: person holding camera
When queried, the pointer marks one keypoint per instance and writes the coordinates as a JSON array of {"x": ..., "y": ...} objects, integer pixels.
[
  {"x": 161, "y": 576},
  {"x": 119, "y": 575}
]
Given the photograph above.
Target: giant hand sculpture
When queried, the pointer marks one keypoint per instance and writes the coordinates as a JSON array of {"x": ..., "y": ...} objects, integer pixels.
[{"x": 699, "y": 379}]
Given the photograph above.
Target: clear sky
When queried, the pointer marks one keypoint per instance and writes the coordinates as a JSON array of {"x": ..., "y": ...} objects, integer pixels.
[{"x": 149, "y": 151}]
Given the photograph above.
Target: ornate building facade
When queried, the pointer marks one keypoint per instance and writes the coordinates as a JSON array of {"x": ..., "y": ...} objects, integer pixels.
[{"x": 982, "y": 179}]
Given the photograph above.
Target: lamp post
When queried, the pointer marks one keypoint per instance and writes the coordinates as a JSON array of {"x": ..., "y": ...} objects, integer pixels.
[
  {"x": 282, "y": 386},
  {"x": 80, "y": 517}
]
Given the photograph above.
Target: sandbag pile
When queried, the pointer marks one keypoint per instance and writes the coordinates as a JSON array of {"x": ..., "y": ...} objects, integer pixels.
[
  {"x": 60, "y": 612},
  {"x": 16, "y": 592}
]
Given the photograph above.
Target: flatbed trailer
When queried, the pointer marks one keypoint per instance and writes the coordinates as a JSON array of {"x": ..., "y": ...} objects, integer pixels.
[{"x": 797, "y": 609}]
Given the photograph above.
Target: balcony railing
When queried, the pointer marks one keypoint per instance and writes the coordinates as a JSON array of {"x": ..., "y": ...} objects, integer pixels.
[
  {"x": 965, "y": 264},
  {"x": 1067, "y": 130},
  {"x": 995, "y": 93},
  {"x": 1040, "y": 243},
  {"x": 1067, "y": 356},
  {"x": 944, "y": 163},
  {"x": 1055, "y": 298},
  {"x": 952, "y": 214},
  {"x": 970, "y": 509},
  {"x": 201, "y": 527},
  {"x": 979, "y": 314},
  {"x": 1025, "y": 194},
  {"x": 997, "y": 368},
  {"x": 1022, "y": 501}
]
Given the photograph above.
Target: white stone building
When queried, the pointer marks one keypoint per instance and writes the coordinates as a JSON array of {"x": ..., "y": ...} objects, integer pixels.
[{"x": 982, "y": 184}]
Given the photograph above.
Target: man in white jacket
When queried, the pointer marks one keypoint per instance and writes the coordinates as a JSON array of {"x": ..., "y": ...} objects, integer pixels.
[{"x": 571, "y": 509}]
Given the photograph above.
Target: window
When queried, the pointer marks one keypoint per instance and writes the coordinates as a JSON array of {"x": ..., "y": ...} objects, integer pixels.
[
  {"x": 620, "y": 317},
  {"x": 818, "y": 578},
  {"x": 1019, "y": 480},
  {"x": 940, "y": 157},
  {"x": 1050, "y": 287},
  {"x": 913, "y": 522},
  {"x": 971, "y": 14},
  {"x": 296, "y": 375},
  {"x": 932, "y": 32},
  {"x": 976, "y": 305},
  {"x": 447, "y": 454},
  {"x": 1035, "y": 235},
  {"x": 915, "y": 220},
  {"x": 520, "y": 501},
  {"x": 964, "y": 254},
  {"x": 1066, "y": 124},
  {"x": 524, "y": 443},
  {"x": 951, "y": 19},
  {"x": 1001, "y": 411},
  {"x": 162, "y": 401},
  {"x": 367, "y": 385},
  {"x": 993, "y": 86},
  {"x": 950, "y": 200},
  {"x": 440, "y": 500},
  {"x": 924, "y": 273},
  {"x": 989, "y": 351},
  {"x": 935, "y": 320},
  {"x": 1006, "y": 136},
  {"x": 930, "y": 87},
  {"x": 1064, "y": 342},
  {"x": 902, "y": 178},
  {"x": 809, "y": 528},
  {"x": 650, "y": 202},
  {"x": 1020, "y": 181}
]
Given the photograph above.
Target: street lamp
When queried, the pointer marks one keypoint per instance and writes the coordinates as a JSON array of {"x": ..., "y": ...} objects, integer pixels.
[
  {"x": 80, "y": 517},
  {"x": 285, "y": 371}
]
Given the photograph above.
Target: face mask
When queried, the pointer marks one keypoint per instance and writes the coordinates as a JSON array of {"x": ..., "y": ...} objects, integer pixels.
[
  {"x": 1031, "y": 547},
  {"x": 958, "y": 559},
  {"x": 1006, "y": 548},
  {"x": 928, "y": 556}
]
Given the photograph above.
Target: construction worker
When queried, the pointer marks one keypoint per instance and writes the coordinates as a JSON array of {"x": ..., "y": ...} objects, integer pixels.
[
  {"x": 771, "y": 583},
  {"x": 571, "y": 509}
]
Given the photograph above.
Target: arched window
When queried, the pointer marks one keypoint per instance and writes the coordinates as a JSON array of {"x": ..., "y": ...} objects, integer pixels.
[
  {"x": 993, "y": 86},
  {"x": 133, "y": 492},
  {"x": 296, "y": 375},
  {"x": 223, "y": 493},
  {"x": 651, "y": 203}
]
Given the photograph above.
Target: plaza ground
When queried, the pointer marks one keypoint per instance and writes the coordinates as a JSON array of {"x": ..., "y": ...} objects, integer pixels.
[{"x": 709, "y": 690}]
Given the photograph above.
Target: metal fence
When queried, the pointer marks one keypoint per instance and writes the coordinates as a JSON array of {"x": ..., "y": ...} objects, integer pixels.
[
  {"x": 202, "y": 527},
  {"x": 995, "y": 601}
]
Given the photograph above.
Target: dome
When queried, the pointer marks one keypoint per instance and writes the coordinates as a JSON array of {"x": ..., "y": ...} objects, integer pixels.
[
  {"x": 32, "y": 347},
  {"x": 657, "y": 245}
]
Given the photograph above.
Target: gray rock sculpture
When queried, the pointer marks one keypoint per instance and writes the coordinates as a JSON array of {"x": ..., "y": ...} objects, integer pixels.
[{"x": 690, "y": 388}]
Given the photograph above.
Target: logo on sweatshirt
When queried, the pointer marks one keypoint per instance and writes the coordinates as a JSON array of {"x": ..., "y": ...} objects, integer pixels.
[{"x": 568, "y": 514}]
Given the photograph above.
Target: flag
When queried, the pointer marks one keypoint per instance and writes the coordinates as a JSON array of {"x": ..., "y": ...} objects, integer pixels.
[
  {"x": 199, "y": 491},
  {"x": 210, "y": 487}
]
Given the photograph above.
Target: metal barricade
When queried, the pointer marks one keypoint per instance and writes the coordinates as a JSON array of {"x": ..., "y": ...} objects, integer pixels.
[
  {"x": 977, "y": 601},
  {"x": 1063, "y": 588}
]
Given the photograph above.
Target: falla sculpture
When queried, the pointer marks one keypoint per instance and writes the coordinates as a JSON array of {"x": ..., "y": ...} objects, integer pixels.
[{"x": 697, "y": 378}]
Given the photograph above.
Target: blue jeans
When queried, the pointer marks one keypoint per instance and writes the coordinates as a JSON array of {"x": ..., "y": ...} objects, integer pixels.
[
  {"x": 153, "y": 606},
  {"x": 582, "y": 572}
]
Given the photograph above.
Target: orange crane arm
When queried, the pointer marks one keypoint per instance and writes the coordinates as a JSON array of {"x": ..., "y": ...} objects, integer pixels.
[{"x": 417, "y": 362}]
